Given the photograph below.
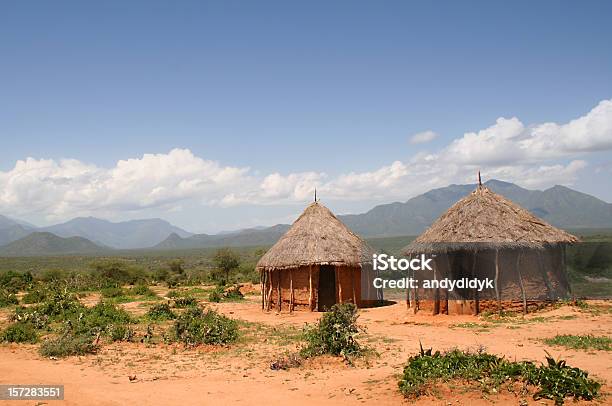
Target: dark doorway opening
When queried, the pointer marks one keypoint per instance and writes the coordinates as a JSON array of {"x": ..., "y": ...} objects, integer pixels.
[{"x": 327, "y": 287}]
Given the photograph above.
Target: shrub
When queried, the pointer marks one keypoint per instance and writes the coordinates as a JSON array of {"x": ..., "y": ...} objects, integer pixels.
[
  {"x": 7, "y": 298},
  {"x": 216, "y": 295},
  {"x": 68, "y": 344},
  {"x": 30, "y": 316},
  {"x": 121, "y": 332},
  {"x": 60, "y": 305},
  {"x": 142, "y": 290},
  {"x": 187, "y": 301},
  {"x": 161, "y": 311},
  {"x": 19, "y": 333},
  {"x": 233, "y": 293},
  {"x": 335, "y": 333},
  {"x": 35, "y": 296},
  {"x": 101, "y": 319},
  {"x": 196, "y": 326},
  {"x": 13, "y": 282},
  {"x": 112, "y": 292},
  {"x": 554, "y": 381}
]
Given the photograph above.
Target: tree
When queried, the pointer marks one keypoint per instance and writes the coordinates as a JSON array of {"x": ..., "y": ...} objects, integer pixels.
[{"x": 226, "y": 260}]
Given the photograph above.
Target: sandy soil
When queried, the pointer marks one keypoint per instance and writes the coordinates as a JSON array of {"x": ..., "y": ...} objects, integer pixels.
[{"x": 241, "y": 374}]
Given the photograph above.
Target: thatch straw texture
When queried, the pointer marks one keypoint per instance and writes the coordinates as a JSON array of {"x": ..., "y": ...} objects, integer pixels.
[
  {"x": 317, "y": 237},
  {"x": 483, "y": 220}
]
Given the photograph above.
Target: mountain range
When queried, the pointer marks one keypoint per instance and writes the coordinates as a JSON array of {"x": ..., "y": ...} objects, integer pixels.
[{"x": 558, "y": 205}]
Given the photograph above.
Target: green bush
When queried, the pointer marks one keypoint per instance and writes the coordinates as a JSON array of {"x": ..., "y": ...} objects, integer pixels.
[
  {"x": 187, "y": 301},
  {"x": 121, "y": 332},
  {"x": 196, "y": 326},
  {"x": 161, "y": 311},
  {"x": 554, "y": 381},
  {"x": 112, "y": 292},
  {"x": 19, "y": 333},
  {"x": 68, "y": 344},
  {"x": 35, "y": 296},
  {"x": 100, "y": 319},
  {"x": 142, "y": 290},
  {"x": 13, "y": 282},
  {"x": 60, "y": 305},
  {"x": 7, "y": 298},
  {"x": 335, "y": 333},
  {"x": 233, "y": 293},
  {"x": 215, "y": 295}
]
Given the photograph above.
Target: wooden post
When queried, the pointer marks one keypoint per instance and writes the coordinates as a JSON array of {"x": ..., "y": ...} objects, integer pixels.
[
  {"x": 310, "y": 292},
  {"x": 448, "y": 273},
  {"x": 269, "y": 304},
  {"x": 291, "y": 289},
  {"x": 278, "y": 286},
  {"x": 261, "y": 287},
  {"x": 353, "y": 286},
  {"x": 476, "y": 296},
  {"x": 520, "y": 278},
  {"x": 436, "y": 306},
  {"x": 497, "y": 294},
  {"x": 549, "y": 290},
  {"x": 339, "y": 283}
]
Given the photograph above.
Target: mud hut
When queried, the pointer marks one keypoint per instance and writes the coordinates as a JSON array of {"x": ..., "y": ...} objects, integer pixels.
[
  {"x": 484, "y": 235},
  {"x": 317, "y": 263}
]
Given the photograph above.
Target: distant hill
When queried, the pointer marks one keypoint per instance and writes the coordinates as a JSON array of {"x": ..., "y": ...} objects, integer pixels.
[
  {"x": 11, "y": 229},
  {"x": 255, "y": 236},
  {"x": 559, "y": 205},
  {"x": 124, "y": 234},
  {"x": 43, "y": 243}
]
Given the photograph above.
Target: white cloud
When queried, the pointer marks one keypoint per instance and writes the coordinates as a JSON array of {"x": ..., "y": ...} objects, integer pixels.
[
  {"x": 535, "y": 156},
  {"x": 423, "y": 137}
]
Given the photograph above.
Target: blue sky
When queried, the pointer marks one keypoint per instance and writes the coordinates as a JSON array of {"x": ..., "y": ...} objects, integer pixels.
[{"x": 328, "y": 89}]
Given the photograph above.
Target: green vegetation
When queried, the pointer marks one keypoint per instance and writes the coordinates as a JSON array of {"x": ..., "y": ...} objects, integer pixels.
[
  {"x": 186, "y": 301},
  {"x": 196, "y": 326},
  {"x": 577, "y": 342},
  {"x": 7, "y": 298},
  {"x": 160, "y": 312},
  {"x": 68, "y": 344},
  {"x": 223, "y": 294},
  {"x": 554, "y": 380},
  {"x": 225, "y": 261},
  {"x": 335, "y": 333},
  {"x": 19, "y": 333}
]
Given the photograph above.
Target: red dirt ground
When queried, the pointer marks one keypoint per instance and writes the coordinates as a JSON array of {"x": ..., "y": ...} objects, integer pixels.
[{"x": 241, "y": 374}]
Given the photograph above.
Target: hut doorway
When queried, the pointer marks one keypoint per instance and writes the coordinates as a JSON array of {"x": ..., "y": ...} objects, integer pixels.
[{"x": 327, "y": 287}]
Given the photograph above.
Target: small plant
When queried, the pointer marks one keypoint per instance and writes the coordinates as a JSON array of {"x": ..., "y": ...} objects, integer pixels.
[
  {"x": 19, "y": 333},
  {"x": 182, "y": 302},
  {"x": 121, "y": 332},
  {"x": 577, "y": 342},
  {"x": 112, "y": 292},
  {"x": 554, "y": 380},
  {"x": 161, "y": 311},
  {"x": 142, "y": 290},
  {"x": 286, "y": 362},
  {"x": 335, "y": 333},
  {"x": 68, "y": 344},
  {"x": 216, "y": 295},
  {"x": 196, "y": 326},
  {"x": 7, "y": 298},
  {"x": 35, "y": 296}
]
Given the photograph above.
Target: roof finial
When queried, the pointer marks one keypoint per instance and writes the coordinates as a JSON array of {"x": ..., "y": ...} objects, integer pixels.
[
  {"x": 315, "y": 195},
  {"x": 479, "y": 180}
]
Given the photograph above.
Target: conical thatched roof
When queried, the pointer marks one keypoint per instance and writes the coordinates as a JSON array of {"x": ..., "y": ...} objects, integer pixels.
[
  {"x": 317, "y": 237},
  {"x": 485, "y": 219}
]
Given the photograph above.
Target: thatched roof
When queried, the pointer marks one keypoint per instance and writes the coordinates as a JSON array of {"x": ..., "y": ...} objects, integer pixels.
[
  {"x": 484, "y": 219},
  {"x": 317, "y": 237}
]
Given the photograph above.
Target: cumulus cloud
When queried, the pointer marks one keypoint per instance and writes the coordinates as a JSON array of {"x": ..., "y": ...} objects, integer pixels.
[
  {"x": 537, "y": 156},
  {"x": 70, "y": 187},
  {"x": 423, "y": 137}
]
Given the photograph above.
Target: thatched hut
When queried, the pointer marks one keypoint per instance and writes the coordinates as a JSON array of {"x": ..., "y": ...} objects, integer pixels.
[
  {"x": 485, "y": 235},
  {"x": 317, "y": 263}
]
